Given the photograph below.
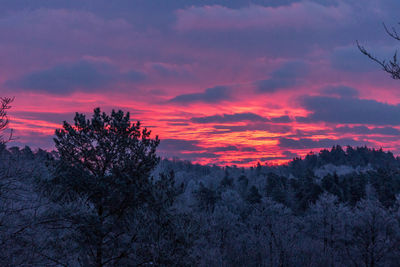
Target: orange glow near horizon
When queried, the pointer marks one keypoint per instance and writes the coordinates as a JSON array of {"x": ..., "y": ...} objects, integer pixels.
[{"x": 242, "y": 143}]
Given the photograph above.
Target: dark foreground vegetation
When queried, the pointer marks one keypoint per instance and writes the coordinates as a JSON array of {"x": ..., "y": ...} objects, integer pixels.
[{"x": 104, "y": 198}]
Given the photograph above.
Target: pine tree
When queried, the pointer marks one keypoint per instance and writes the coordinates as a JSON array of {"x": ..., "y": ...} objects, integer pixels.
[{"x": 105, "y": 164}]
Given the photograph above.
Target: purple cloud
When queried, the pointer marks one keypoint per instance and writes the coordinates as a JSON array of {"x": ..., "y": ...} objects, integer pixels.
[
  {"x": 285, "y": 77},
  {"x": 210, "y": 95},
  {"x": 229, "y": 118},
  {"x": 306, "y": 143},
  {"x": 340, "y": 91},
  {"x": 69, "y": 77},
  {"x": 368, "y": 131},
  {"x": 349, "y": 110}
]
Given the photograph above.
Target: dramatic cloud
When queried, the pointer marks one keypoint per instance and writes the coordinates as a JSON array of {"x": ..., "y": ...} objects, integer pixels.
[
  {"x": 210, "y": 95},
  {"x": 229, "y": 118},
  {"x": 350, "y": 110}
]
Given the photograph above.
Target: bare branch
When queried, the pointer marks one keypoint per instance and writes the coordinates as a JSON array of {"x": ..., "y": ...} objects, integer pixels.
[
  {"x": 392, "y": 67},
  {"x": 392, "y": 33},
  {"x": 4, "y": 121}
]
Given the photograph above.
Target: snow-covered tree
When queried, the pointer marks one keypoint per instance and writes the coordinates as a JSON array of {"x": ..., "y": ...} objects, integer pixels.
[{"x": 374, "y": 235}]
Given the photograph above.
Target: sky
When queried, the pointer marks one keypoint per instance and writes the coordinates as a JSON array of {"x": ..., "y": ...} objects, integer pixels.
[{"x": 220, "y": 82}]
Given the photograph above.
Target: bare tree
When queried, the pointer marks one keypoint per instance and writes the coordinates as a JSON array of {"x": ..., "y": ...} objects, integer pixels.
[
  {"x": 4, "y": 107},
  {"x": 390, "y": 66}
]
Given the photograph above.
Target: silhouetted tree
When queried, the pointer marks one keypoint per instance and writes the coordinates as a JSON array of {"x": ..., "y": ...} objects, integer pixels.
[
  {"x": 105, "y": 165},
  {"x": 4, "y": 107}
]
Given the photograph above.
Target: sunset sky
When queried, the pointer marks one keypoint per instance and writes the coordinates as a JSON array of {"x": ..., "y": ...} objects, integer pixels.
[{"x": 221, "y": 82}]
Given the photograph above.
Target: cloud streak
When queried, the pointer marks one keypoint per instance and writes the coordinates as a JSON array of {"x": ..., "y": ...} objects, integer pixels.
[
  {"x": 210, "y": 95},
  {"x": 229, "y": 118},
  {"x": 307, "y": 143}
]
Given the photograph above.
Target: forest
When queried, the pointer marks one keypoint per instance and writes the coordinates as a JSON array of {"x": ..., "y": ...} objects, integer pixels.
[{"x": 104, "y": 198}]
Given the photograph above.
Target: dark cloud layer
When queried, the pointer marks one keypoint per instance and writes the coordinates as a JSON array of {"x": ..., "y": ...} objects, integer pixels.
[
  {"x": 349, "y": 110},
  {"x": 340, "y": 91},
  {"x": 285, "y": 77},
  {"x": 248, "y": 149},
  {"x": 254, "y": 127},
  {"x": 306, "y": 143},
  {"x": 67, "y": 78},
  {"x": 64, "y": 78},
  {"x": 366, "y": 131},
  {"x": 210, "y": 95},
  {"x": 173, "y": 145},
  {"x": 229, "y": 118},
  {"x": 224, "y": 149},
  {"x": 281, "y": 119}
]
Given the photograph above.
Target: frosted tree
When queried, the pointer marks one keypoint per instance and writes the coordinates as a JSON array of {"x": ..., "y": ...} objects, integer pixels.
[
  {"x": 164, "y": 231},
  {"x": 373, "y": 237},
  {"x": 324, "y": 226},
  {"x": 277, "y": 231},
  {"x": 218, "y": 231},
  {"x": 20, "y": 205}
]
